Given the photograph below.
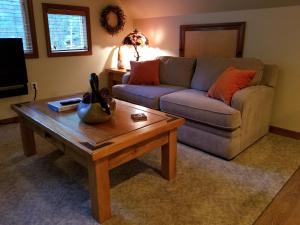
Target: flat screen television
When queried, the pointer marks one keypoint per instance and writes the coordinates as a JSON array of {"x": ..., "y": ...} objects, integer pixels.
[{"x": 13, "y": 73}]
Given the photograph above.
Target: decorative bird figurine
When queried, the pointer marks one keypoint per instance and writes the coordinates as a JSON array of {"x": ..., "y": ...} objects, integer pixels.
[
  {"x": 96, "y": 98},
  {"x": 97, "y": 106}
]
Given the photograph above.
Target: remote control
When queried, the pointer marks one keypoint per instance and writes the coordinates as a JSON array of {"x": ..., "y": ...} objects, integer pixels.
[{"x": 70, "y": 102}]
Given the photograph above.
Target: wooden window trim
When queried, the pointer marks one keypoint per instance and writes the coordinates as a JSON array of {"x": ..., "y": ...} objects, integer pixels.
[
  {"x": 239, "y": 26},
  {"x": 67, "y": 10},
  {"x": 34, "y": 53}
]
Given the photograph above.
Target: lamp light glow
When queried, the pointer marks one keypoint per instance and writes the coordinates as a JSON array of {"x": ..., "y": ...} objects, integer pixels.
[{"x": 136, "y": 39}]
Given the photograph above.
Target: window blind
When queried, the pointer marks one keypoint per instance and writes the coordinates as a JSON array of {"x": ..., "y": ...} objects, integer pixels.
[
  {"x": 67, "y": 32},
  {"x": 14, "y": 22}
]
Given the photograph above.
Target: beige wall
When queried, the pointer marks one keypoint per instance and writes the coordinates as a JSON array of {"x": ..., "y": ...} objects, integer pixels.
[
  {"x": 66, "y": 75},
  {"x": 272, "y": 35}
]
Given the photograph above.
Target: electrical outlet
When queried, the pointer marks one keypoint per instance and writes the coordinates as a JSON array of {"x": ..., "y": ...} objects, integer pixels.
[{"x": 34, "y": 85}]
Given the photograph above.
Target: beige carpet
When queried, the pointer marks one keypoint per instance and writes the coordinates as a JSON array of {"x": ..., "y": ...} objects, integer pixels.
[{"x": 49, "y": 188}]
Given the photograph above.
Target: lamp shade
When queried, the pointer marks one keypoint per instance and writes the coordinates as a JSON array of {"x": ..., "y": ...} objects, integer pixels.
[{"x": 136, "y": 38}]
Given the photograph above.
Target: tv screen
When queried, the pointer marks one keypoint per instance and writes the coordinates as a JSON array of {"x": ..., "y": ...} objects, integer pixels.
[{"x": 13, "y": 74}]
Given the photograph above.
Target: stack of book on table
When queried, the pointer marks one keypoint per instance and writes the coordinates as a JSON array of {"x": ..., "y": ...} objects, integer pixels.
[{"x": 64, "y": 105}]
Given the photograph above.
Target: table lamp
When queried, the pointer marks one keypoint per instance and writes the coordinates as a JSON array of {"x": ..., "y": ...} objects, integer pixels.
[{"x": 135, "y": 39}]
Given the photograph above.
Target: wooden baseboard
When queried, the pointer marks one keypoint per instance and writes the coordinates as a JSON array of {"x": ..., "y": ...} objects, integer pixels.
[
  {"x": 285, "y": 132},
  {"x": 9, "y": 120}
]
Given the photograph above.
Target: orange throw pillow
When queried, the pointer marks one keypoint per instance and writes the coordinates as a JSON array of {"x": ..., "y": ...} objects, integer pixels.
[
  {"x": 146, "y": 72},
  {"x": 230, "y": 81}
]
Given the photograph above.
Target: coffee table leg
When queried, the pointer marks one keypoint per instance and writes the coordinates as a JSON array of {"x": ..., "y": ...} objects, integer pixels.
[
  {"x": 27, "y": 139},
  {"x": 99, "y": 186},
  {"x": 168, "y": 157}
]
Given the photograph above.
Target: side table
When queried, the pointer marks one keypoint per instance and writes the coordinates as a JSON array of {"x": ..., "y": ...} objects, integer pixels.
[{"x": 114, "y": 76}]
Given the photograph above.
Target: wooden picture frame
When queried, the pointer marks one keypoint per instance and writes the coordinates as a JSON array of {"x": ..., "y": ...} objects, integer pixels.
[{"x": 237, "y": 30}]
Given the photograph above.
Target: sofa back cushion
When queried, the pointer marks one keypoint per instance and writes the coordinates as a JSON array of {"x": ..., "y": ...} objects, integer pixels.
[
  {"x": 209, "y": 69},
  {"x": 177, "y": 71},
  {"x": 270, "y": 75}
]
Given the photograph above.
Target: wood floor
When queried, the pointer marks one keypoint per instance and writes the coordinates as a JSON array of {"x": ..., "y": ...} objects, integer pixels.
[{"x": 285, "y": 207}]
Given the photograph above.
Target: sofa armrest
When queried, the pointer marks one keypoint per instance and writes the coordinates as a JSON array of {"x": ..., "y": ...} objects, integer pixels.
[
  {"x": 125, "y": 78},
  {"x": 252, "y": 96},
  {"x": 255, "y": 104}
]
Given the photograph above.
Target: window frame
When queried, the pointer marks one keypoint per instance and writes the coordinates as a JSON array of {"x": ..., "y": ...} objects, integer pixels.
[
  {"x": 34, "y": 53},
  {"x": 66, "y": 10},
  {"x": 32, "y": 31}
]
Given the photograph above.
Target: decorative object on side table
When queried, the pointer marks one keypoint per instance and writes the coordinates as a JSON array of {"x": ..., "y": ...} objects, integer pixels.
[
  {"x": 97, "y": 106},
  {"x": 120, "y": 58},
  {"x": 136, "y": 39}
]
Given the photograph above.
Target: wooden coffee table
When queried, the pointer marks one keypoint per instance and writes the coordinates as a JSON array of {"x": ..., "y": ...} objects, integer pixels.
[{"x": 101, "y": 147}]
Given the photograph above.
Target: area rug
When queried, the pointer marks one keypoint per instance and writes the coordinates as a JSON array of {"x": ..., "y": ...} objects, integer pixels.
[{"x": 50, "y": 188}]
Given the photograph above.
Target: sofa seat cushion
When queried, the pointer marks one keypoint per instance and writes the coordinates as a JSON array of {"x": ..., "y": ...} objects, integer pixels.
[
  {"x": 144, "y": 95},
  {"x": 196, "y": 106}
]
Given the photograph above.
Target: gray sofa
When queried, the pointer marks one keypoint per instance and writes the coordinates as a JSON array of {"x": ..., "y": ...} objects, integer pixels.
[{"x": 211, "y": 125}]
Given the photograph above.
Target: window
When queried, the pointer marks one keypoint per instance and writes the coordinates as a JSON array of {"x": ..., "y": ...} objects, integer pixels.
[
  {"x": 67, "y": 30},
  {"x": 17, "y": 21}
]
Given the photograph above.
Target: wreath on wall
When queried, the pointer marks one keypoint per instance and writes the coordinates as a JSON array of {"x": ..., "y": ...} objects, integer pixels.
[{"x": 120, "y": 19}]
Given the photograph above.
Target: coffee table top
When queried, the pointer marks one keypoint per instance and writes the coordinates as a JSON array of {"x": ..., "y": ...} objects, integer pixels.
[{"x": 118, "y": 131}]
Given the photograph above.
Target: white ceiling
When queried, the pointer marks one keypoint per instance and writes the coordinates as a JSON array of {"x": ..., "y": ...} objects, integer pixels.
[{"x": 159, "y": 8}]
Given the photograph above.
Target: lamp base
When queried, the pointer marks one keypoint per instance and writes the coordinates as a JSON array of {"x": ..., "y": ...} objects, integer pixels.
[
  {"x": 137, "y": 53},
  {"x": 121, "y": 65},
  {"x": 120, "y": 59}
]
